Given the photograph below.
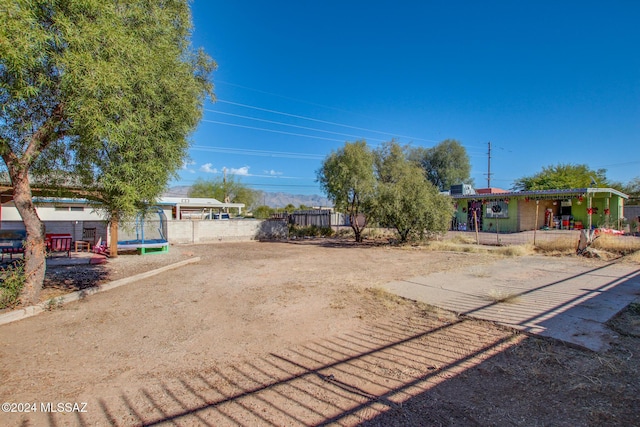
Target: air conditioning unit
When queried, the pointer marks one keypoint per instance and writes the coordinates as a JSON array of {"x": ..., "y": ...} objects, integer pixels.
[{"x": 462, "y": 189}]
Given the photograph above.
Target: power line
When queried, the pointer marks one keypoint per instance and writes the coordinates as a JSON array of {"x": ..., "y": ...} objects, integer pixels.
[
  {"x": 322, "y": 121},
  {"x": 261, "y": 153},
  {"x": 264, "y": 184},
  {"x": 633, "y": 162},
  {"x": 271, "y": 130},
  {"x": 289, "y": 124},
  {"x": 315, "y": 104}
]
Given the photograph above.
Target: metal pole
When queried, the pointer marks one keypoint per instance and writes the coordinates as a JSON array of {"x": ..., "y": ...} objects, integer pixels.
[
  {"x": 535, "y": 228},
  {"x": 489, "y": 166},
  {"x": 589, "y": 211},
  {"x": 475, "y": 225}
]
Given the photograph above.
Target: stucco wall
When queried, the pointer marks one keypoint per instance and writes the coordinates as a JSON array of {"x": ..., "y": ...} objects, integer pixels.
[
  {"x": 186, "y": 232},
  {"x": 74, "y": 228}
]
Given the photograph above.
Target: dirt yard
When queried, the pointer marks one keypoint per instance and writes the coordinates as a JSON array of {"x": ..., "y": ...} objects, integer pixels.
[{"x": 283, "y": 334}]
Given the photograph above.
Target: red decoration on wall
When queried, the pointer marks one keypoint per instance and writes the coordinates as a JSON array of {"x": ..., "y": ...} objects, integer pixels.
[
  {"x": 590, "y": 211},
  {"x": 607, "y": 211}
]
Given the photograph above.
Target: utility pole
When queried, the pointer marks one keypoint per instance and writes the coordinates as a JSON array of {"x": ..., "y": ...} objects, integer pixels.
[
  {"x": 489, "y": 166},
  {"x": 224, "y": 186}
]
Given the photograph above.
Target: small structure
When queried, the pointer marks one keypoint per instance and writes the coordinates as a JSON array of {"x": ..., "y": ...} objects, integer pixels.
[
  {"x": 192, "y": 208},
  {"x": 495, "y": 210},
  {"x": 147, "y": 234}
]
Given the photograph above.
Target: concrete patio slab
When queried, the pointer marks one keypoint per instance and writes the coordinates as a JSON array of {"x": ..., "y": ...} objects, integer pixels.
[{"x": 567, "y": 299}]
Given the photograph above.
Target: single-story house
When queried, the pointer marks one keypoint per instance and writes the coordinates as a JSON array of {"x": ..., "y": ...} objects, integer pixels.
[
  {"x": 195, "y": 207},
  {"x": 73, "y": 216},
  {"x": 493, "y": 209}
]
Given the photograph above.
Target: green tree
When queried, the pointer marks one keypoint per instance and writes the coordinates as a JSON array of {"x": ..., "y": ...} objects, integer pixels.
[
  {"x": 445, "y": 164},
  {"x": 96, "y": 94},
  {"x": 229, "y": 190},
  {"x": 262, "y": 212},
  {"x": 632, "y": 188},
  {"x": 562, "y": 176},
  {"x": 348, "y": 180},
  {"x": 405, "y": 199}
]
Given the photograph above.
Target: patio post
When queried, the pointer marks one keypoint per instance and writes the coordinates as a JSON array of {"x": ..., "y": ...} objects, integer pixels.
[
  {"x": 535, "y": 228},
  {"x": 589, "y": 210}
]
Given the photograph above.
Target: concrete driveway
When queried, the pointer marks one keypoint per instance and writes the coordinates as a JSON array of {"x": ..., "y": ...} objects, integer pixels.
[{"x": 564, "y": 298}]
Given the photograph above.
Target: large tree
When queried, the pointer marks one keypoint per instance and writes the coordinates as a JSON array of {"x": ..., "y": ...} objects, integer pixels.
[
  {"x": 632, "y": 188},
  {"x": 445, "y": 164},
  {"x": 348, "y": 180},
  {"x": 562, "y": 176},
  {"x": 405, "y": 199},
  {"x": 228, "y": 190},
  {"x": 100, "y": 94}
]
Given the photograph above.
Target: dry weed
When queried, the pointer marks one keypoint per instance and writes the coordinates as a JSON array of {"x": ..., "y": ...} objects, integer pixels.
[
  {"x": 453, "y": 247},
  {"x": 462, "y": 239},
  {"x": 633, "y": 257},
  {"x": 440, "y": 313},
  {"x": 503, "y": 295},
  {"x": 384, "y": 297},
  {"x": 515, "y": 250},
  {"x": 617, "y": 244},
  {"x": 562, "y": 245}
]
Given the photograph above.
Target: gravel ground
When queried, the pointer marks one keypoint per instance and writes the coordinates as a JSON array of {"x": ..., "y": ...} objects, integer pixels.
[{"x": 297, "y": 333}]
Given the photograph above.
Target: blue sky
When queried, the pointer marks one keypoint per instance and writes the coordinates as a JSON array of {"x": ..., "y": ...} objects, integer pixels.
[{"x": 546, "y": 82}]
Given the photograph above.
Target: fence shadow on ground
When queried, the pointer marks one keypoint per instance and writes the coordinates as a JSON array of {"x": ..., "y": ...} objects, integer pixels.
[
  {"x": 425, "y": 370},
  {"x": 572, "y": 305},
  {"x": 391, "y": 373},
  {"x": 343, "y": 380}
]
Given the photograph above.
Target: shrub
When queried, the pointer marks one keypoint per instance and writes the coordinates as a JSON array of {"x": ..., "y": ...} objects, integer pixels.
[
  {"x": 11, "y": 284},
  {"x": 310, "y": 231}
]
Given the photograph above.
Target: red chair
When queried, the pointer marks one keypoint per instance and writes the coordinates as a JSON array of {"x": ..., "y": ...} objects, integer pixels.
[{"x": 60, "y": 244}]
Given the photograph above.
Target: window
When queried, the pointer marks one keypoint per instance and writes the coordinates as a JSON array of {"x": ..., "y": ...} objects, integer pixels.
[
  {"x": 497, "y": 209},
  {"x": 69, "y": 208}
]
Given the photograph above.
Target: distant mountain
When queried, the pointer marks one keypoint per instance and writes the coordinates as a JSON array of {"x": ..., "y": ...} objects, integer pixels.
[
  {"x": 274, "y": 200},
  {"x": 280, "y": 200},
  {"x": 180, "y": 191}
]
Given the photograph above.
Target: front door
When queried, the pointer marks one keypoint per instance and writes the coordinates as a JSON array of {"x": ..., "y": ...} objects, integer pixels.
[{"x": 474, "y": 206}]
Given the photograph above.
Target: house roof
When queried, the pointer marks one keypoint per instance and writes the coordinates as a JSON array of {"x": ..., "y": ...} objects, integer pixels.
[
  {"x": 491, "y": 190},
  {"x": 197, "y": 202},
  {"x": 183, "y": 202},
  {"x": 545, "y": 194}
]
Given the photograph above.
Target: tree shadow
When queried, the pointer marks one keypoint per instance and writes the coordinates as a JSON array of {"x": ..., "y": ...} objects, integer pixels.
[{"x": 70, "y": 278}]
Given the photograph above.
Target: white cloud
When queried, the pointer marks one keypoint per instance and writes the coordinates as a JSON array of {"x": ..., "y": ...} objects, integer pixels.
[
  {"x": 239, "y": 171},
  {"x": 208, "y": 169},
  {"x": 273, "y": 173},
  {"x": 187, "y": 166}
]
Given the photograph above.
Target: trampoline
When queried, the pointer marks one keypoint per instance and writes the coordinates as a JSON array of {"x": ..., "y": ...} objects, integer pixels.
[{"x": 147, "y": 234}]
